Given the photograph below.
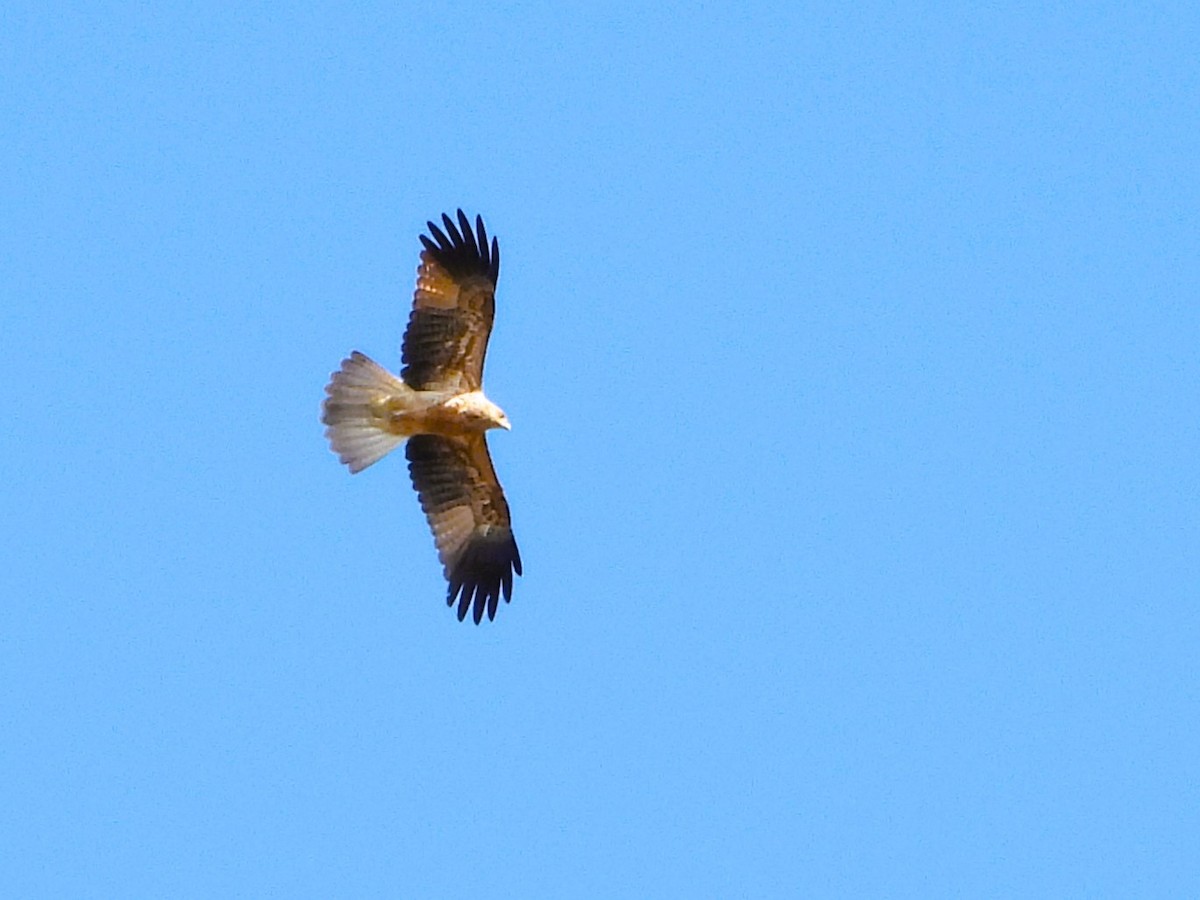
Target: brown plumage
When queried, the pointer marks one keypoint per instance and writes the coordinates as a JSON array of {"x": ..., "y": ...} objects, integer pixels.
[{"x": 438, "y": 407}]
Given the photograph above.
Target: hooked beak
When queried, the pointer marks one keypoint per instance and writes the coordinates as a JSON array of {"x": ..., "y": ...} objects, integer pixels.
[{"x": 505, "y": 424}]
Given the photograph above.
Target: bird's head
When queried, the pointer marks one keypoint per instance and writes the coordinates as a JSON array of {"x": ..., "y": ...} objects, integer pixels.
[
  {"x": 484, "y": 411},
  {"x": 498, "y": 418}
]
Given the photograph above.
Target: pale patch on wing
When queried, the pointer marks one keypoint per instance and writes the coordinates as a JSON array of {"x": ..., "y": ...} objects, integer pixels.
[
  {"x": 435, "y": 287},
  {"x": 451, "y": 529}
]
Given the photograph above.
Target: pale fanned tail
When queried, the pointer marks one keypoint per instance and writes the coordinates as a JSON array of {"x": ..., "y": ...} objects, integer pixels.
[{"x": 362, "y": 395}]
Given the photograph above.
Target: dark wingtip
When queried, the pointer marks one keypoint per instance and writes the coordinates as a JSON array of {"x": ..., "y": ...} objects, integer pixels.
[
  {"x": 444, "y": 244},
  {"x": 484, "y": 574},
  {"x": 464, "y": 225},
  {"x": 452, "y": 230},
  {"x": 461, "y": 249}
]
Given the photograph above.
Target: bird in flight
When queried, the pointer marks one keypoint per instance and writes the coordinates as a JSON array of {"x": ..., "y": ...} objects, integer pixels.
[{"x": 438, "y": 410}]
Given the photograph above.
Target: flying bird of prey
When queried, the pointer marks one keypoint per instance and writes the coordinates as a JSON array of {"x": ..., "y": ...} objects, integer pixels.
[{"x": 438, "y": 410}]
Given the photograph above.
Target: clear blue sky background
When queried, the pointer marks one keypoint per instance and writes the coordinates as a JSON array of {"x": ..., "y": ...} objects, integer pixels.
[{"x": 851, "y": 352}]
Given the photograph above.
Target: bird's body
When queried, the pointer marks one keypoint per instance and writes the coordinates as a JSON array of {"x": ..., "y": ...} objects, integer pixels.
[{"x": 438, "y": 408}]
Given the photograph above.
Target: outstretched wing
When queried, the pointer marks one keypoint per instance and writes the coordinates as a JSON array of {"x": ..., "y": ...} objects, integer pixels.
[
  {"x": 453, "y": 306},
  {"x": 466, "y": 509}
]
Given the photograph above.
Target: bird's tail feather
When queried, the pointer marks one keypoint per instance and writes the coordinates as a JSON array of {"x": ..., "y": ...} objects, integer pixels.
[{"x": 359, "y": 411}]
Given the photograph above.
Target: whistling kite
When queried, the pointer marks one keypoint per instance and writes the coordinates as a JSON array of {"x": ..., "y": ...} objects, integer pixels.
[{"x": 437, "y": 406}]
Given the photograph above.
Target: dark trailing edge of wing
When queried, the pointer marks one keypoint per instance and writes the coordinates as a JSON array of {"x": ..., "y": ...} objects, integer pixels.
[
  {"x": 484, "y": 569},
  {"x": 465, "y": 252}
]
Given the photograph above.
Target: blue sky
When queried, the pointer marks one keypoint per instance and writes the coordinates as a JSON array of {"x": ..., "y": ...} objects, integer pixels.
[{"x": 851, "y": 353}]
